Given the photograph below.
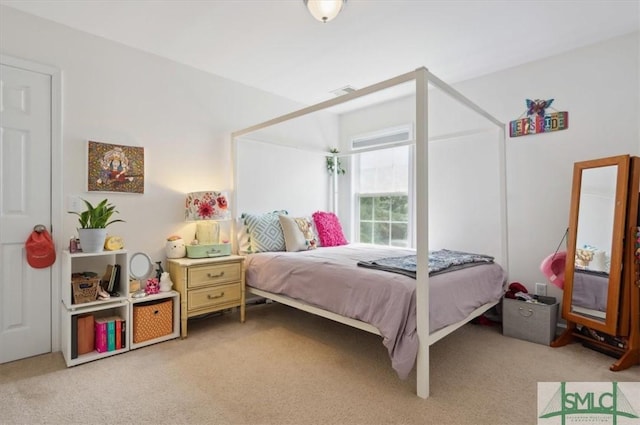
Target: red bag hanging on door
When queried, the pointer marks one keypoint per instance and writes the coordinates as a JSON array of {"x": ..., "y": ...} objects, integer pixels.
[{"x": 41, "y": 252}]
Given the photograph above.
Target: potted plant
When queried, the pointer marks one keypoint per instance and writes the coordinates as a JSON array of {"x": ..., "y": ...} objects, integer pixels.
[
  {"x": 93, "y": 222},
  {"x": 333, "y": 162}
]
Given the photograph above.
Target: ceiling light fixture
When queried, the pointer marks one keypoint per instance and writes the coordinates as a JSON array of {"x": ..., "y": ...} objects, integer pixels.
[{"x": 324, "y": 10}]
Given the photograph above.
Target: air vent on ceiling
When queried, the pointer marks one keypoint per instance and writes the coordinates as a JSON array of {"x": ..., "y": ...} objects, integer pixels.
[
  {"x": 388, "y": 136},
  {"x": 343, "y": 90}
]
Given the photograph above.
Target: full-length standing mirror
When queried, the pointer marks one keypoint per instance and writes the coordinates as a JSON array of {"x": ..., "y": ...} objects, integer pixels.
[
  {"x": 600, "y": 288},
  {"x": 596, "y": 235}
]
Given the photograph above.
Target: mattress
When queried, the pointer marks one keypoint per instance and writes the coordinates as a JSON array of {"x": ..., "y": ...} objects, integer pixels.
[{"x": 329, "y": 278}]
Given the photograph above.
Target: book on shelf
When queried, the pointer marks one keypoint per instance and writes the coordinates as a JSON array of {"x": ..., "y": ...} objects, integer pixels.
[
  {"x": 116, "y": 281},
  {"x": 119, "y": 334},
  {"x": 111, "y": 334},
  {"x": 74, "y": 337},
  {"x": 123, "y": 333},
  {"x": 108, "y": 276},
  {"x": 111, "y": 279},
  {"x": 101, "y": 334},
  {"x": 86, "y": 334}
]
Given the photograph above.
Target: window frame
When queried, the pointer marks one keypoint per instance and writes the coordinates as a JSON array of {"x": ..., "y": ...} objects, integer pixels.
[{"x": 356, "y": 194}]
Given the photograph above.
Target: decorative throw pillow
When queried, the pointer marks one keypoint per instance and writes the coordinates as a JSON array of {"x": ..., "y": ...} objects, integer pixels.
[
  {"x": 242, "y": 236},
  {"x": 265, "y": 232},
  {"x": 298, "y": 233},
  {"x": 329, "y": 229}
]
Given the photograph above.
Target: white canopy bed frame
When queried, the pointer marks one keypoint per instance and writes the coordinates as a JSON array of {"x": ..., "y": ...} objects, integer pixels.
[{"x": 422, "y": 78}]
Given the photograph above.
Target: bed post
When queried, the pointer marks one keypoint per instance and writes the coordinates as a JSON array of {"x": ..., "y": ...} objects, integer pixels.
[
  {"x": 334, "y": 185},
  {"x": 422, "y": 231}
]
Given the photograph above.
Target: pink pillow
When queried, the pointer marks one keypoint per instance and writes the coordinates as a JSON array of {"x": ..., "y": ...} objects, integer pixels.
[{"x": 329, "y": 229}]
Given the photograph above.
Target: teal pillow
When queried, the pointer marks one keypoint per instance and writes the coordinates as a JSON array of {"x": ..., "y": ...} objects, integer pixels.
[{"x": 265, "y": 232}]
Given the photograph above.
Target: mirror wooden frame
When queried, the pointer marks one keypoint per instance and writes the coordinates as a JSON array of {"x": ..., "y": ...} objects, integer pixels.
[
  {"x": 622, "y": 318},
  {"x": 610, "y": 323}
]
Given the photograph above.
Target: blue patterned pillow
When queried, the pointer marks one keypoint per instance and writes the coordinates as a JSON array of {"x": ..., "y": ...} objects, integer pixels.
[{"x": 265, "y": 232}]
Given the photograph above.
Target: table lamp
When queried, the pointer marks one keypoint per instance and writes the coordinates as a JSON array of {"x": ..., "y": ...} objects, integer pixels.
[{"x": 205, "y": 208}]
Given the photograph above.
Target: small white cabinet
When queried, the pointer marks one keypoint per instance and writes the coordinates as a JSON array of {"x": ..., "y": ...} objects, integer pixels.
[
  {"x": 115, "y": 306},
  {"x": 121, "y": 306}
]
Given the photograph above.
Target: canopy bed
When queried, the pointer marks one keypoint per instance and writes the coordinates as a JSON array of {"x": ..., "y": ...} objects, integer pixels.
[{"x": 255, "y": 189}]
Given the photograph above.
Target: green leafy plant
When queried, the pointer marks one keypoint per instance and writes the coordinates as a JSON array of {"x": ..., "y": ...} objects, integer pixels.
[
  {"x": 333, "y": 163},
  {"x": 97, "y": 217}
]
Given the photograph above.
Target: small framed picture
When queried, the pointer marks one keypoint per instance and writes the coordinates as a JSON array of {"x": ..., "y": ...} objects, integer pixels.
[{"x": 115, "y": 168}]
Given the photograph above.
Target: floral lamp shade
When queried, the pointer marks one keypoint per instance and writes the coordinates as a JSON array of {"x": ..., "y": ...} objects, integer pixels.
[
  {"x": 205, "y": 208},
  {"x": 207, "y": 205}
]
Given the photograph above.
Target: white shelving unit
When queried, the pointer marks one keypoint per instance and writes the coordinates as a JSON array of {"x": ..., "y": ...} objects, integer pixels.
[
  {"x": 175, "y": 296},
  {"x": 119, "y": 306},
  {"x": 115, "y": 306}
]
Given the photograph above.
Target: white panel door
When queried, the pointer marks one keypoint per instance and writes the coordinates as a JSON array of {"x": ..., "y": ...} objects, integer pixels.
[{"x": 25, "y": 201}]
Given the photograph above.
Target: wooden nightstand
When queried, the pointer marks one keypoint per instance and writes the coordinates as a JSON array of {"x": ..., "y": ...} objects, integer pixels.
[{"x": 207, "y": 285}]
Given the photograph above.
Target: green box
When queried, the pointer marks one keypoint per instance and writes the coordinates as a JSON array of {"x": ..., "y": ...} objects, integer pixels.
[{"x": 208, "y": 251}]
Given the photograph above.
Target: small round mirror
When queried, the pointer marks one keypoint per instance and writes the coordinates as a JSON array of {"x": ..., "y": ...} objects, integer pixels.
[{"x": 140, "y": 266}]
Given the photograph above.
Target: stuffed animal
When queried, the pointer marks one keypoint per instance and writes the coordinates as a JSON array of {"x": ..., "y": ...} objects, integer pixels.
[
  {"x": 175, "y": 247},
  {"x": 165, "y": 282},
  {"x": 153, "y": 286},
  {"x": 583, "y": 257}
]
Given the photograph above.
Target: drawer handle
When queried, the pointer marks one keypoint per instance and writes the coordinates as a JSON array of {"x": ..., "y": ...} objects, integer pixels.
[
  {"x": 213, "y": 297},
  {"x": 523, "y": 314},
  {"x": 213, "y": 276}
]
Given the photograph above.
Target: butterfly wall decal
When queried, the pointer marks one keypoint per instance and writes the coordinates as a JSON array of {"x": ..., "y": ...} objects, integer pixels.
[{"x": 537, "y": 106}]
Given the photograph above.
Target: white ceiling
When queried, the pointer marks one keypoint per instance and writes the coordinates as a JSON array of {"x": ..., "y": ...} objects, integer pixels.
[{"x": 278, "y": 47}]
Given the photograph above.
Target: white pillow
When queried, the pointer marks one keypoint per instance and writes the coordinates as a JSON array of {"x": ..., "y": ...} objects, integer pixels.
[
  {"x": 242, "y": 236},
  {"x": 298, "y": 233}
]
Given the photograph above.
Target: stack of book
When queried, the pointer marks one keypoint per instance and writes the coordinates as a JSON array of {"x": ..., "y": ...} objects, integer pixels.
[
  {"x": 111, "y": 278},
  {"x": 110, "y": 334}
]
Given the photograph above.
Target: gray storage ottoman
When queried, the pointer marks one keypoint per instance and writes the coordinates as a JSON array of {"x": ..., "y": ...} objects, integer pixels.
[{"x": 535, "y": 322}]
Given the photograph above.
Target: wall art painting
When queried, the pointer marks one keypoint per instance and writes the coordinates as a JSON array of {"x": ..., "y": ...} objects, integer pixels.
[
  {"x": 538, "y": 120},
  {"x": 115, "y": 168}
]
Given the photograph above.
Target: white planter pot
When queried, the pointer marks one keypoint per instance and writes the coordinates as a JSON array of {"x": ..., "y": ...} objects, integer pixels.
[{"x": 92, "y": 240}]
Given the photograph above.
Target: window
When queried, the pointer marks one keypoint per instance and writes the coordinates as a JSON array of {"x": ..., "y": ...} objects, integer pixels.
[
  {"x": 384, "y": 219},
  {"x": 382, "y": 196}
]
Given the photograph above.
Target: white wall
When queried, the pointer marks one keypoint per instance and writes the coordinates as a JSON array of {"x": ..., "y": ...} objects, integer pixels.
[
  {"x": 273, "y": 177},
  {"x": 598, "y": 85},
  {"x": 181, "y": 116}
]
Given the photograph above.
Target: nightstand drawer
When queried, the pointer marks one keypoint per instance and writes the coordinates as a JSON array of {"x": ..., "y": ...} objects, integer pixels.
[
  {"x": 214, "y": 275},
  {"x": 214, "y": 296}
]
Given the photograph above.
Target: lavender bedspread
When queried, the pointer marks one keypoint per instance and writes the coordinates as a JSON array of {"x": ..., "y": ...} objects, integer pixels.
[
  {"x": 329, "y": 278},
  {"x": 590, "y": 289}
]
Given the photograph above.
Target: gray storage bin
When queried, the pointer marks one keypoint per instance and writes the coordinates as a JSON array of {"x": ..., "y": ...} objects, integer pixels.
[{"x": 535, "y": 322}]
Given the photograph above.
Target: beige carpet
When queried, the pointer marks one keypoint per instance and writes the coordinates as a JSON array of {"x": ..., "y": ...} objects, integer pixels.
[{"x": 284, "y": 366}]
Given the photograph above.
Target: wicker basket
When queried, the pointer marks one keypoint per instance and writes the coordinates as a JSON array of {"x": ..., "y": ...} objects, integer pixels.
[
  {"x": 152, "y": 320},
  {"x": 84, "y": 288}
]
